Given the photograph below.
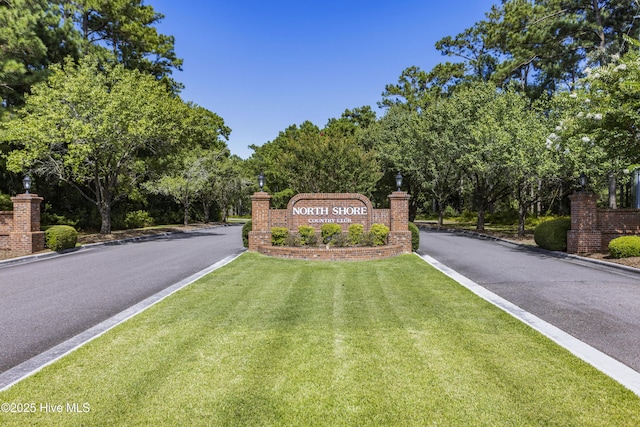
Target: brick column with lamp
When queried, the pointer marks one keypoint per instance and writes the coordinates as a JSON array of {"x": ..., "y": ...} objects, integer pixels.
[
  {"x": 399, "y": 233},
  {"x": 25, "y": 236},
  {"x": 584, "y": 236},
  {"x": 260, "y": 233}
]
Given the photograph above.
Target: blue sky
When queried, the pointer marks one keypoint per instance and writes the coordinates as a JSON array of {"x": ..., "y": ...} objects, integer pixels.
[{"x": 265, "y": 65}]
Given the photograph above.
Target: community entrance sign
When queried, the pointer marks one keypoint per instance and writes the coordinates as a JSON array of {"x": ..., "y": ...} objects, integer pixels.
[
  {"x": 343, "y": 209},
  {"x": 318, "y": 209}
]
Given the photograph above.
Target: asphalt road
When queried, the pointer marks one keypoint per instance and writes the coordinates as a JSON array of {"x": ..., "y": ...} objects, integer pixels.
[
  {"x": 596, "y": 304},
  {"x": 45, "y": 302}
]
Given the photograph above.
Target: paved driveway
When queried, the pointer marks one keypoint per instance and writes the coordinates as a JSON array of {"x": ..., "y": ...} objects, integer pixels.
[
  {"x": 48, "y": 301},
  {"x": 597, "y": 304}
]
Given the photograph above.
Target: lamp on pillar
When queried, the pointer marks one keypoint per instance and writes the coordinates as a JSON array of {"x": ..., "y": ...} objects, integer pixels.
[
  {"x": 583, "y": 181},
  {"x": 399, "y": 180},
  {"x": 261, "y": 180},
  {"x": 26, "y": 183}
]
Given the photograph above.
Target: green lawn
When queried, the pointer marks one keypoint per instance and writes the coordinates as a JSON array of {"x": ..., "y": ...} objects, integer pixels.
[{"x": 273, "y": 342}]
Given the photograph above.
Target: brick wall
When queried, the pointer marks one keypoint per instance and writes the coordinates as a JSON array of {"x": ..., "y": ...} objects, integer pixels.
[
  {"x": 343, "y": 209},
  {"x": 6, "y": 222},
  {"x": 592, "y": 229},
  {"x": 333, "y": 254}
]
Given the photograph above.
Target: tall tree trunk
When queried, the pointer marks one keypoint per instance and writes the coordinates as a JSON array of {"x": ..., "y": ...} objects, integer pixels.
[
  {"x": 186, "y": 214},
  {"x": 612, "y": 191},
  {"x": 105, "y": 216},
  {"x": 206, "y": 207},
  {"x": 480, "y": 223},
  {"x": 522, "y": 215}
]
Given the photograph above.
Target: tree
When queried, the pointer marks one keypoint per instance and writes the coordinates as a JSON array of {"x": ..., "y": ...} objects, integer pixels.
[
  {"x": 598, "y": 131},
  {"x": 226, "y": 185},
  {"x": 189, "y": 172},
  {"x": 417, "y": 88},
  {"x": 22, "y": 52},
  {"x": 89, "y": 126},
  {"x": 122, "y": 30},
  {"x": 474, "y": 48},
  {"x": 184, "y": 177},
  {"x": 306, "y": 159},
  {"x": 499, "y": 134}
]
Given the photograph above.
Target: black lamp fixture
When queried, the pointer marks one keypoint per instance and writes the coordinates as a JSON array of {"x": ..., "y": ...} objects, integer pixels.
[
  {"x": 583, "y": 181},
  {"x": 26, "y": 183},
  {"x": 261, "y": 180},
  {"x": 399, "y": 180}
]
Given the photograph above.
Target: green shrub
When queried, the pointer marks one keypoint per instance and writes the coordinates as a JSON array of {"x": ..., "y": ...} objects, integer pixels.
[
  {"x": 368, "y": 239},
  {"x": 5, "y": 202},
  {"x": 379, "y": 233},
  {"x": 55, "y": 219},
  {"x": 449, "y": 212},
  {"x": 355, "y": 233},
  {"x": 624, "y": 247},
  {"x": 415, "y": 236},
  {"x": 60, "y": 237},
  {"x": 535, "y": 220},
  {"x": 138, "y": 219},
  {"x": 468, "y": 216},
  {"x": 246, "y": 228},
  {"x": 306, "y": 232},
  {"x": 279, "y": 236},
  {"x": 340, "y": 240},
  {"x": 328, "y": 231},
  {"x": 313, "y": 240},
  {"x": 552, "y": 235},
  {"x": 293, "y": 239}
]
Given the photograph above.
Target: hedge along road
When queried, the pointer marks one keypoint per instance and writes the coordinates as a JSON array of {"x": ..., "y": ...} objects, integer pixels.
[
  {"x": 596, "y": 303},
  {"x": 47, "y": 301}
]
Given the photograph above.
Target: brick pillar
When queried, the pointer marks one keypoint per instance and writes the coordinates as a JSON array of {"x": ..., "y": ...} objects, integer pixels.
[
  {"x": 399, "y": 233},
  {"x": 584, "y": 236},
  {"x": 26, "y": 236},
  {"x": 260, "y": 233}
]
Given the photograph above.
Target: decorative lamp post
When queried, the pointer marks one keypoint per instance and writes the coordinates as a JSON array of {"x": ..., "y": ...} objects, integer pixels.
[
  {"x": 26, "y": 183},
  {"x": 261, "y": 180},
  {"x": 583, "y": 181},
  {"x": 399, "y": 180}
]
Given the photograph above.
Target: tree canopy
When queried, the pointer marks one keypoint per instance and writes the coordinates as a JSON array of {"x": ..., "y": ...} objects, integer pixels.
[{"x": 90, "y": 126}]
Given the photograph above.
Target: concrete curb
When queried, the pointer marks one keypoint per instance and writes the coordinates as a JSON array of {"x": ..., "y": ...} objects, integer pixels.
[
  {"x": 620, "y": 372},
  {"x": 555, "y": 254},
  {"x": 37, "y": 363},
  {"x": 46, "y": 255}
]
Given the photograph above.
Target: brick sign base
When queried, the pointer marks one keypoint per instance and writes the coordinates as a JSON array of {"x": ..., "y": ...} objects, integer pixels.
[
  {"x": 333, "y": 254},
  {"x": 343, "y": 209}
]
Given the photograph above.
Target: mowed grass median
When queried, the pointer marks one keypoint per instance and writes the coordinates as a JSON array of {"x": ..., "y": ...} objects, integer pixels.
[{"x": 265, "y": 341}]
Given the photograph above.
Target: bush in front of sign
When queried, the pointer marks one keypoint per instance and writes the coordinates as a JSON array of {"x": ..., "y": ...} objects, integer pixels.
[
  {"x": 340, "y": 240},
  {"x": 379, "y": 233},
  {"x": 328, "y": 231},
  {"x": 356, "y": 231},
  {"x": 279, "y": 236},
  {"x": 307, "y": 233}
]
